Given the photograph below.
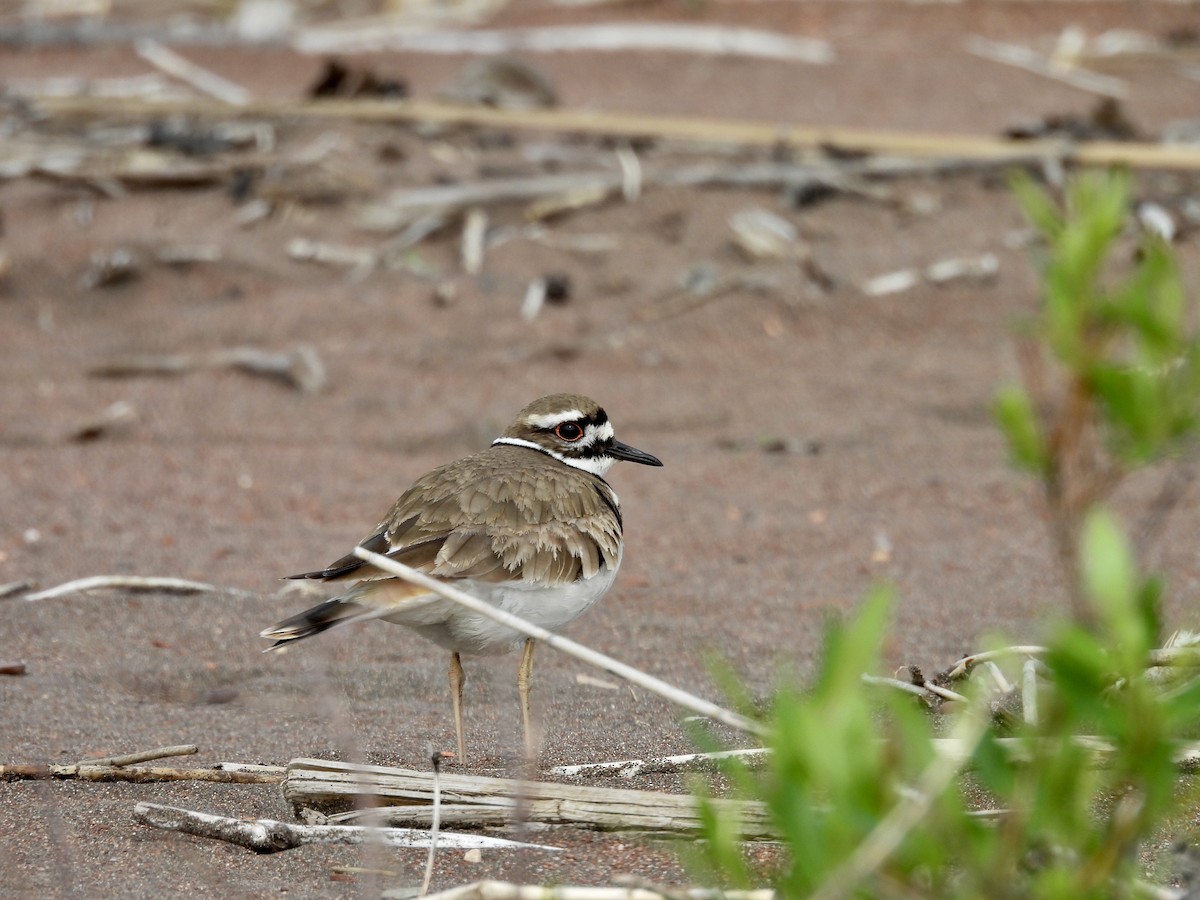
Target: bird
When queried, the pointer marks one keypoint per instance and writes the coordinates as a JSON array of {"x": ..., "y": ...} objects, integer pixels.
[{"x": 529, "y": 525}]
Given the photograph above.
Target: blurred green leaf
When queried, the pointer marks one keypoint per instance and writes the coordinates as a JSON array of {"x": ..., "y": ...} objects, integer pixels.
[{"x": 1018, "y": 421}]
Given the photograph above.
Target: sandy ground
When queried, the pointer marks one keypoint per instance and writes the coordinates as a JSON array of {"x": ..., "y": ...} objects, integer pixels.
[{"x": 814, "y": 444}]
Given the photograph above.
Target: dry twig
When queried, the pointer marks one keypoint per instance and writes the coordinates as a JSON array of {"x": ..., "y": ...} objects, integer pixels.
[
  {"x": 131, "y": 583},
  {"x": 948, "y": 150},
  {"x": 300, "y": 368},
  {"x": 375, "y": 35},
  {"x": 271, "y": 836},
  {"x": 476, "y": 800},
  {"x": 140, "y": 756},
  {"x": 135, "y": 774}
]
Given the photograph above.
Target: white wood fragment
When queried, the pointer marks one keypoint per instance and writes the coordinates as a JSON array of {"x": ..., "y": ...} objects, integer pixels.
[
  {"x": 377, "y": 36},
  {"x": 204, "y": 81}
]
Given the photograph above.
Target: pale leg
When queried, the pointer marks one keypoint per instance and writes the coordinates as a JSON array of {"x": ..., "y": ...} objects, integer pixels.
[
  {"x": 524, "y": 675},
  {"x": 456, "y": 688}
]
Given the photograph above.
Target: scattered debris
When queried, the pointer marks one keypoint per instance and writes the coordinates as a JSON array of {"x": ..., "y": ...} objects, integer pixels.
[
  {"x": 1058, "y": 70},
  {"x": 1106, "y": 122},
  {"x": 262, "y": 21},
  {"x": 300, "y": 368},
  {"x": 980, "y": 269},
  {"x": 326, "y": 254},
  {"x": 184, "y": 136},
  {"x": 347, "y": 80},
  {"x": 474, "y": 233},
  {"x": 109, "y": 268},
  {"x": 558, "y": 287},
  {"x": 145, "y": 87},
  {"x": 504, "y": 83},
  {"x": 535, "y": 297},
  {"x": 115, "y": 419},
  {"x": 761, "y": 234}
]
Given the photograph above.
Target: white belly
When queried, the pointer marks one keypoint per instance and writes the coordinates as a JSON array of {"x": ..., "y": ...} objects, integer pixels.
[{"x": 452, "y": 626}]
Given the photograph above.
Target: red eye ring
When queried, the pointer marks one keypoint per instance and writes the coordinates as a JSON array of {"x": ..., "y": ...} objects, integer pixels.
[{"x": 568, "y": 431}]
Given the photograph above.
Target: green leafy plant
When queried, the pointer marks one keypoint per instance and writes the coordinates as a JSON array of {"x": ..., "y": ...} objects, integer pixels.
[
  {"x": 1110, "y": 365},
  {"x": 864, "y": 798}
]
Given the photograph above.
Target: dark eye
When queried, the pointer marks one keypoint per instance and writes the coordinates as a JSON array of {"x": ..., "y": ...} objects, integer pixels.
[{"x": 569, "y": 431}]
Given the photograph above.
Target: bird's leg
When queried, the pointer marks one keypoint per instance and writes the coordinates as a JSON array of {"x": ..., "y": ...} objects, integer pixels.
[
  {"x": 456, "y": 686},
  {"x": 524, "y": 675}
]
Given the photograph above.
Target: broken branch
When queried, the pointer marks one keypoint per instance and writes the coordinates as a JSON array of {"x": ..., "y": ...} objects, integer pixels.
[{"x": 271, "y": 836}]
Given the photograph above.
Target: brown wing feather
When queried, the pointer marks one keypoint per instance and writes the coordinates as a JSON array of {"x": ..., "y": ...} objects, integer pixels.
[{"x": 508, "y": 512}]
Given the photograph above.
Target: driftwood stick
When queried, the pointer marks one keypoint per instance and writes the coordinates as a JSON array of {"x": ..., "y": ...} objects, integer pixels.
[
  {"x": 136, "y": 774},
  {"x": 128, "y": 583},
  {"x": 130, "y": 759},
  {"x": 271, "y": 836},
  {"x": 724, "y": 131},
  {"x": 502, "y": 890},
  {"x": 687, "y": 762},
  {"x": 586, "y": 654},
  {"x": 407, "y": 797}
]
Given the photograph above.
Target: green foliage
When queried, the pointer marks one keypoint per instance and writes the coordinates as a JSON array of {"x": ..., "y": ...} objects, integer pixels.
[
  {"x": 1026, "y": 443},
  {"x": 855, "y": 790},
  {"x": 843, "y": 759},
  {"x": 1123, "y": 340}
]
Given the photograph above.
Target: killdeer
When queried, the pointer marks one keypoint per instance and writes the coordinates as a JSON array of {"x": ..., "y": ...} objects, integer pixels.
[{"x": 528, "y": 524}]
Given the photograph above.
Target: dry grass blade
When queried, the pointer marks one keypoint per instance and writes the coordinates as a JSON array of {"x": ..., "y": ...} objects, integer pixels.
[{"x": 949, "y": 149}]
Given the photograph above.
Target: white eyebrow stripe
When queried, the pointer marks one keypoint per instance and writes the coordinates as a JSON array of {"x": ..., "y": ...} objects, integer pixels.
[{"x": 551, "y": 419}]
